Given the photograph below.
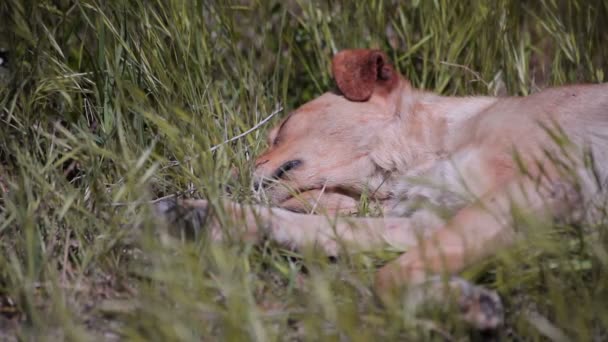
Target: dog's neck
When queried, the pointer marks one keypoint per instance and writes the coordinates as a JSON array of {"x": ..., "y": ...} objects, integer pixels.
[
  {"x": 426, "y": 129},
  {"x": 441, "y": 118}
]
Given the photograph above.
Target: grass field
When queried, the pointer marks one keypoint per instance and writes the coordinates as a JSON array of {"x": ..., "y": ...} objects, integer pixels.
[{"x": 107, "y": 104}]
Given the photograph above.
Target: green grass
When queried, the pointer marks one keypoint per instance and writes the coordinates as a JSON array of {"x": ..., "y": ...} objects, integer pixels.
[{"x": 107, "y": 102}]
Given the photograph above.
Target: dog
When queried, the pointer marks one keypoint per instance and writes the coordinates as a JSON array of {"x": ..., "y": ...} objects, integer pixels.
[{"x": 410, "y": 151}]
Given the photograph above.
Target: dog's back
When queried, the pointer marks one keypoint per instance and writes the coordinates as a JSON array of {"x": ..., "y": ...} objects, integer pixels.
[{"x": 567, "y": 123}]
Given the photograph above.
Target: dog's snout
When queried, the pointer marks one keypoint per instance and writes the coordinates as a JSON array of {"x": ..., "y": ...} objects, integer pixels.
[{"x": 286, "y": 167}]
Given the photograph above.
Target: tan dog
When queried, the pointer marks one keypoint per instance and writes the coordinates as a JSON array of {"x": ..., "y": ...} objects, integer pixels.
[{"x": 410, "y": 150}]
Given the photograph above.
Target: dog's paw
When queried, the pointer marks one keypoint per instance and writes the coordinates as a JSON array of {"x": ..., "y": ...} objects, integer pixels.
[
  {"x": 184, "y": 219},
  {"x": 476, "y": 305}
]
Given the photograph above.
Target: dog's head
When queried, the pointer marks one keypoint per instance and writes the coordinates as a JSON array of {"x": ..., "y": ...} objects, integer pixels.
[{"x": 327, "y": 143}]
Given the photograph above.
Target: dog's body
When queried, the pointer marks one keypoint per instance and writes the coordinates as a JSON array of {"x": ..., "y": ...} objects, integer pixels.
[{"x": 408, "y": 150}]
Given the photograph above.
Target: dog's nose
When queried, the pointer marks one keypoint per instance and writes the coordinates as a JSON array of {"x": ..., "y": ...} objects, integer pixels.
[{"x": 257, "y": 185}]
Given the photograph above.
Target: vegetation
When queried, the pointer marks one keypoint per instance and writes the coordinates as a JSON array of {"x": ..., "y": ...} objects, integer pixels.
[{"x": 108, "y": 104}]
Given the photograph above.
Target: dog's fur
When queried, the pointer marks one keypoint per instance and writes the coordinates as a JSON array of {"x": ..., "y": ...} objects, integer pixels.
[{"x": 410, "y": 150}]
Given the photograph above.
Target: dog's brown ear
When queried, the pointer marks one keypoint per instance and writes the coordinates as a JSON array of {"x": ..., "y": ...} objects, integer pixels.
[{"x": 358, "y": 72}]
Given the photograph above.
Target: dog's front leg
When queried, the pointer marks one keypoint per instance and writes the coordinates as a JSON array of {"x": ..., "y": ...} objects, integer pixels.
[{"x": 331, "y": 234}]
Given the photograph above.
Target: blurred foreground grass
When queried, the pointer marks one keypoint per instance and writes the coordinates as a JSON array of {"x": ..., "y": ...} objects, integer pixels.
[{"x": 106, "y": 102}]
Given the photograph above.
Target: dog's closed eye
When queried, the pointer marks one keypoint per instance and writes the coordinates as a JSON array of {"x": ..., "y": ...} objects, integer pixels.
[{"x": 286, "y": 167}]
